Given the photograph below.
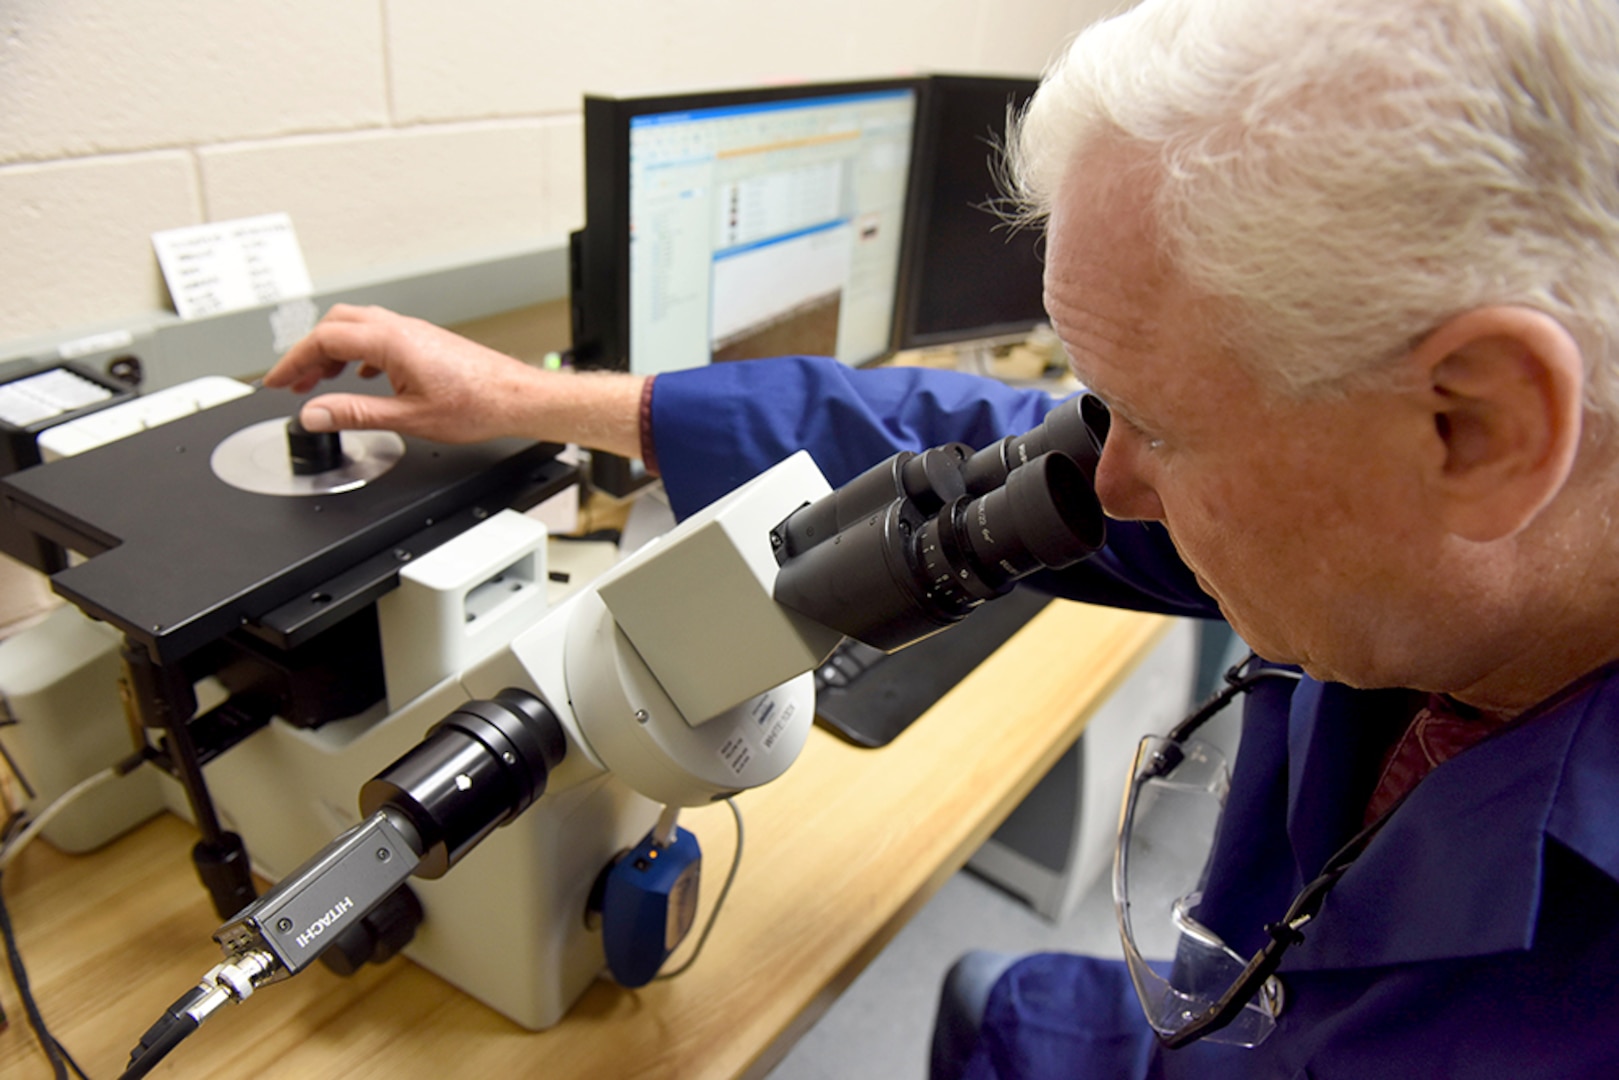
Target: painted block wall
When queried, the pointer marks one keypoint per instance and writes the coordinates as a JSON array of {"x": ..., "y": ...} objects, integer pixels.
[{"x": 397, "y": 133}]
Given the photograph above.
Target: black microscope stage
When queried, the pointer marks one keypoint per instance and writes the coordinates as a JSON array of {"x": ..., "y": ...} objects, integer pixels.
[{"x": 177, "y": 557}]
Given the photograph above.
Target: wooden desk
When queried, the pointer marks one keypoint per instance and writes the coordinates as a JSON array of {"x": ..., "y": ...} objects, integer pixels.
[{"x": 840, "y": 853}]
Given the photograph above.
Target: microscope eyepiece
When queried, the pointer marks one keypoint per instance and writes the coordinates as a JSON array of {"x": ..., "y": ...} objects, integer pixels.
[
  {"x": 1076, "y": 428},
  {"x": 915, "y": 543},
  {"x": 1044, "y": 516}
]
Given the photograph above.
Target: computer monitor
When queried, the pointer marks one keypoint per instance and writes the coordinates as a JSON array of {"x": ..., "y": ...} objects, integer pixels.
[
  {"x": 739, "y": 224},
  {"x": 964, "y": 274}
]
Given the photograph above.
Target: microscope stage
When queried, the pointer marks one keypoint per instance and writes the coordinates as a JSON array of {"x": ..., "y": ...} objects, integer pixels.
[{"x": 178, "y": 557}]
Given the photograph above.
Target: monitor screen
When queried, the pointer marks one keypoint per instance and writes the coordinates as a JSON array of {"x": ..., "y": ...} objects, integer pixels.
[
  {"x": 734, "y": 225},
  {"x": 965, "y": 275}
]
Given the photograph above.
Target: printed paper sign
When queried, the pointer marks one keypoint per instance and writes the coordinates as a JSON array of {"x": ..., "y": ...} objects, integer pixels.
[{"x": 232, "y": 265}]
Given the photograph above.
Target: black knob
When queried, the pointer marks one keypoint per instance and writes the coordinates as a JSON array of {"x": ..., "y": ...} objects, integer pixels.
[
  {"x": 225, "y": 873},
  {"x": 312, "y": 452},
  {"x": 385, "y": 930}
]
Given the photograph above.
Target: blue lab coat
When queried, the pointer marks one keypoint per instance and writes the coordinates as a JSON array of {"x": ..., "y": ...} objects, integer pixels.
[{"x": 1477, "y": 936}]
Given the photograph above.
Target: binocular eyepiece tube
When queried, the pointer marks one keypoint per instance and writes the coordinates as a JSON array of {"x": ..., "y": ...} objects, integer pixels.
[{"x": 915, "y": 543}]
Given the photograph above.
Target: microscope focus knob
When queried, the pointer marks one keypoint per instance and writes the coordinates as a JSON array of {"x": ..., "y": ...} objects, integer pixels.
[{"x": 385, "y": 930}]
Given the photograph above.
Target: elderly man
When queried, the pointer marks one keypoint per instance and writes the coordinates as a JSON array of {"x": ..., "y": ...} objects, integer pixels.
[{"x": 1347, "y": 274}]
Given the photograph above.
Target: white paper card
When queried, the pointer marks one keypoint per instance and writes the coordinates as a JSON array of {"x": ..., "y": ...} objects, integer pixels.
[
  {"x": 50, "y": 393},
  {"x": 231, "y": 265}
]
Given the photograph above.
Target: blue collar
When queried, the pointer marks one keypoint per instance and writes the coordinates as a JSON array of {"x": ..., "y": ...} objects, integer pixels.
[{"x": 1457, "y": 869}]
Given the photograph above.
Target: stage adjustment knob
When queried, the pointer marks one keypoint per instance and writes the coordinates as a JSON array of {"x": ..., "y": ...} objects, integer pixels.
[{"x": 312, "y": 452}]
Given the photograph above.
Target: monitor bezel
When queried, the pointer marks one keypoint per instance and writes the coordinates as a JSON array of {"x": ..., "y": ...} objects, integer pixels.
[
  {"x": 601, "y": 250},
  {"x": 916, "y": 233}
]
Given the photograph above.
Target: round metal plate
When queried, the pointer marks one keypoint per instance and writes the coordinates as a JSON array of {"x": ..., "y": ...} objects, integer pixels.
[{"x": 256, "y": 459}]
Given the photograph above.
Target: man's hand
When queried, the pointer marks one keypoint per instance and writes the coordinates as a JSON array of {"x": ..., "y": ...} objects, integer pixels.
[
  {"x": 446, "y": 388},
  {"x": 449, "y": 389}
]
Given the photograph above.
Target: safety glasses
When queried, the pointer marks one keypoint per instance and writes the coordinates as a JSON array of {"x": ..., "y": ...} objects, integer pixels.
[{"x": 1200, "y": 988}]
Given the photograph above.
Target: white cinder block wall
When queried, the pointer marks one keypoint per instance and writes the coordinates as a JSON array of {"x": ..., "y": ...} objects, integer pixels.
[{"x": 397, "y": 133}]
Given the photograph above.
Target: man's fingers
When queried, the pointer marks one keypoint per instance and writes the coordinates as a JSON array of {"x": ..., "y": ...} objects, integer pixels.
[
  {"x": 325, "y": 351},
  {"x": 356, "y": 412},
  {"x": 352, "y": 312}
]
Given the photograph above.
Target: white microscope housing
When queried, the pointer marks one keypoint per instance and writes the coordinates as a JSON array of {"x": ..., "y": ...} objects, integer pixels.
[{"x": 614, "y": 663}]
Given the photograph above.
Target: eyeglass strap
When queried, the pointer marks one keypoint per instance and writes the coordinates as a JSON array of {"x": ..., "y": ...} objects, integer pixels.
[{"x": 1237, "y": 681}]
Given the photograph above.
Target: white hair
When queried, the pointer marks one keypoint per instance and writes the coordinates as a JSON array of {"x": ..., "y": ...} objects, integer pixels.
[{"x": 1345, "y": 174}]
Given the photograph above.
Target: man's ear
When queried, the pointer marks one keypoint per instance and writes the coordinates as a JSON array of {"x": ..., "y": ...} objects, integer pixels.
[{"x": 1505, "y": 387}]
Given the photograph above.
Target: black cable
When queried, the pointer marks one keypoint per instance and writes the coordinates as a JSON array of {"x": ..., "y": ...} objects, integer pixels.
[
  {"x": 155, "y": 1045},
  {"x": 175, "y": 1024},
  {"x": 14, "y": 827},
  {"x": 55, "y": 1052},
  {"x": 16, "y": 821},
  {"x": 8, "y": 831}
]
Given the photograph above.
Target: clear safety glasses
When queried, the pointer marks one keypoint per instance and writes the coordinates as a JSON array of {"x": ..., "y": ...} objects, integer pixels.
[
  {"x": 1197, "y": 987},
  {"x": 1171, "y": 812}
]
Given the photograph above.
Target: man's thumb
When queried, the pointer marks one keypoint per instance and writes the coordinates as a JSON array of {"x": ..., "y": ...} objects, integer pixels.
[{"x": 350, "y": 412}]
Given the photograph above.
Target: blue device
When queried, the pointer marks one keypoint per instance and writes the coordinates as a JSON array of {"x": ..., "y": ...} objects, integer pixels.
[{"x": 648, "y": 905}]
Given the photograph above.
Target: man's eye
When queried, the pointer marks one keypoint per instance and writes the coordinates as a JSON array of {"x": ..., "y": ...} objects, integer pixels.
[{"x": 1151, "y": 442}]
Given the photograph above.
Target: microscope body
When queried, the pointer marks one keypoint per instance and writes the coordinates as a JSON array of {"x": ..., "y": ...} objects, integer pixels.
[
  {"x": 399, "y": 640},
  {"x": 509, "y": 925}
]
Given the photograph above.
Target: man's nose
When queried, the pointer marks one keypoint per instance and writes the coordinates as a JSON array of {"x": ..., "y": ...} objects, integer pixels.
[{"x": 1121, "y": 485}]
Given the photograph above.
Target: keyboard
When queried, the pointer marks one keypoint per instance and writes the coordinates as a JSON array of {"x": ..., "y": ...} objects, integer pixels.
[{"x": 867, "y": 696}]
